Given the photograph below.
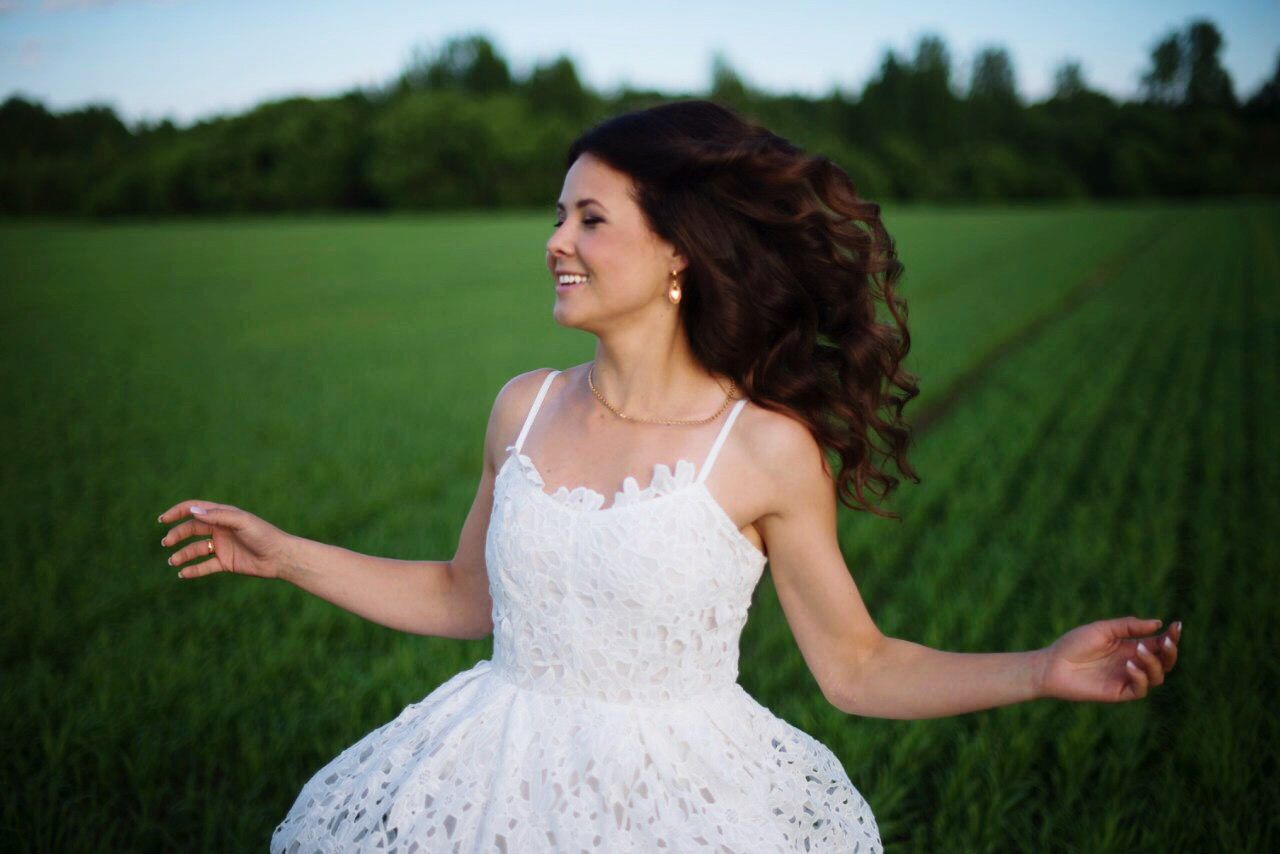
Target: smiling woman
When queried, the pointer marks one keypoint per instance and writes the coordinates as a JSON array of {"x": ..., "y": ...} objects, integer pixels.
[{"x": 731, "y": 282}]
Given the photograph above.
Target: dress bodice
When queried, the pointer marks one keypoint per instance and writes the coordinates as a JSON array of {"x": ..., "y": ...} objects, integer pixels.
[{"x": 642, "y": 601}]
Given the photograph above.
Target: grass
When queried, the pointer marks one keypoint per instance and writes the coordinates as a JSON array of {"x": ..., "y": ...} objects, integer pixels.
[{"x": 1102, "y": 383}]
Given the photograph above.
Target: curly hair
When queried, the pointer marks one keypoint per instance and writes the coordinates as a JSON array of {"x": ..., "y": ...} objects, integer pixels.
[{"x": 785, "y": 265}]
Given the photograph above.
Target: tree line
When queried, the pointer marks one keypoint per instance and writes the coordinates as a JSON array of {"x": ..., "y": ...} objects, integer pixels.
[{"x": 455, "y": 129}]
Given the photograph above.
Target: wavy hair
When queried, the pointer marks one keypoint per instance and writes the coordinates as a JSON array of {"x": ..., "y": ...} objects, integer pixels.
[{"x": 786, "y": 263}]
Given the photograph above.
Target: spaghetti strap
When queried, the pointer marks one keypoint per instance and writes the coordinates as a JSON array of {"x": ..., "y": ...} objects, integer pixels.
[
  {"x": 533, "y": 410},
  {"x": 715, "y": 448}
]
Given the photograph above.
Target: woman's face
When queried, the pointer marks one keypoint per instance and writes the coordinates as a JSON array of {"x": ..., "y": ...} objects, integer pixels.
[{"x": 600, "y": 232}]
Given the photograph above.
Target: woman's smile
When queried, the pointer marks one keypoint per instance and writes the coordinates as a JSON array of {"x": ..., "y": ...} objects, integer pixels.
[{"x": 564, "y": 287}]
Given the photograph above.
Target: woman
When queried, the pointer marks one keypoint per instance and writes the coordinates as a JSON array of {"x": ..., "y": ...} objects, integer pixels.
[{"x": 731, "y": 282}]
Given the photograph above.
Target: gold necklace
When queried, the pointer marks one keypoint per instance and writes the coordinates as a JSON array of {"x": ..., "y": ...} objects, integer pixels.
[{"x": 729, "y": 399}]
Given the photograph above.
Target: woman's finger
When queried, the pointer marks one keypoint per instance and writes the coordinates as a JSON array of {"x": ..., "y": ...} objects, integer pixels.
[
  {"x": 223, "y": 515},
  {"x": 186, "y": 530},
  {"x": 1149, "y": 661},
  {"x": 212, "y": 565},
  {"x": 1131, "y": 626},
  {"x": 182, "y": 510},
  {"x": 1168, "y": 651},
  {"x": 1139, "y": 676},
  {"x": 190, "y": 552}
]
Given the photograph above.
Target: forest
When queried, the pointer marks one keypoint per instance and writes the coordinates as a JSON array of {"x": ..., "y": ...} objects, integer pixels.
[{"x": 456, "y": 129}]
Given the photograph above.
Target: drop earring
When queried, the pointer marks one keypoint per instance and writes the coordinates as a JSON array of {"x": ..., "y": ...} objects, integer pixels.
[{"x": 673, "y": 293}]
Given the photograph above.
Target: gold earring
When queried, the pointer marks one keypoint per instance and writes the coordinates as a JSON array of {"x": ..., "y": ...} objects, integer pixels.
[{"x": 673, "y": 293}]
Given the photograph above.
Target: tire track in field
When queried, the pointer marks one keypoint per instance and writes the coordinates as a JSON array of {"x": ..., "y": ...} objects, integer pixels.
[
  {"x": 936, "y": 511},
  {"x": 1084, "y": 458},
  {"x": 938, "y": 409}
]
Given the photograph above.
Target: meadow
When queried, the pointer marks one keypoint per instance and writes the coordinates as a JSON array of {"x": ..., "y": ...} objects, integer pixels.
[{"x": 1095, "y": 439}]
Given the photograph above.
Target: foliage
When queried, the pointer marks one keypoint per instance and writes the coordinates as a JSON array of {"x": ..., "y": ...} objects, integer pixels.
[{"x": 456, "y": 129}]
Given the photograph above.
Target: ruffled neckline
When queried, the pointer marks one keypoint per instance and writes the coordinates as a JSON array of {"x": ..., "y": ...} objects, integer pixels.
[{"x": 663, "y": 482}]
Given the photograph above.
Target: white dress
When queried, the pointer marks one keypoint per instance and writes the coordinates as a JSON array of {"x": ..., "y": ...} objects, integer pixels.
[{"x": 609, "y": 718}]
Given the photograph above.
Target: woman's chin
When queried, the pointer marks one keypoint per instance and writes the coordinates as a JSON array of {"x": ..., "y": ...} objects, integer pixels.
[{"x": 565, "y": 315}]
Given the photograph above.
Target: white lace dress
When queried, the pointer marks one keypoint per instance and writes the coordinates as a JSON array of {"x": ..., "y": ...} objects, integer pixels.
[{"x": 609, "y": 718}]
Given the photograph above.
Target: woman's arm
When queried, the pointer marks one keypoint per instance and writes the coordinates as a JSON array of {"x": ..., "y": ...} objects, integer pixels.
[
  {"x": 1106, "y": 661},
  {"x": 908, "y": 680},
  {"x": 862, "y": 671},
  {"x": 415, "y": 596}
]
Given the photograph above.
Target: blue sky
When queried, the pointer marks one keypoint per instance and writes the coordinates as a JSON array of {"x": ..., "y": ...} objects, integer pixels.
[{"x": 188, "y": 59}]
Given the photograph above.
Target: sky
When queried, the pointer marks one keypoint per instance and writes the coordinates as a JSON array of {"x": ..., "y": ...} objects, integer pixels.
[{"x": 192, "y": 59}]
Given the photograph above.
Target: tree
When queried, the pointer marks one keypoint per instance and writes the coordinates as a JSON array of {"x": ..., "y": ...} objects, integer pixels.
[
  {"x": 993, "y": 76},
  {"x": 727, "y": 86},
  {"x": 935, "y": 117},
  {"x": 1186, "y": 70},
  {"x": 555, "y": 88},
  {"x": 884, "y": 109},
  {"x": 1163, "y": 83},
  {"x": 995, "y": 112},
  {"x": 1068, "y": 81},
  {"x": 1208, "y": 83},
  {"x": 1266, "y": 101},
  {"x": 467, "y": 63}
]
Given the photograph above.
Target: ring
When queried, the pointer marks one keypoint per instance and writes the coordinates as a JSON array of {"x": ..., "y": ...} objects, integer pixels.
[{"x": 210, "y": 542}]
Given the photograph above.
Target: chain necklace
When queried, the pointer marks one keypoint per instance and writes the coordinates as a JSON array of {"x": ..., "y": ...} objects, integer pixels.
[{"x": 729, "y": 399}]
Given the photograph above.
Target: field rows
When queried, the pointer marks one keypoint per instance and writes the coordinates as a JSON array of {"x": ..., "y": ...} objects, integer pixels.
[{"x": 1109, "y": 451}]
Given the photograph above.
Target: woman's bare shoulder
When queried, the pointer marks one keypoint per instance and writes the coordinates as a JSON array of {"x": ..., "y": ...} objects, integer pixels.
[
  {"x": 787, "y": 458},
  {"x": 510, "y": 407},
  {"x": 517, "y": 394}
]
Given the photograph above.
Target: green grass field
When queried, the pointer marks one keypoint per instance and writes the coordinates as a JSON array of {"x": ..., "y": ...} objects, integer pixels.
[{"x": 1099, "y": 391}]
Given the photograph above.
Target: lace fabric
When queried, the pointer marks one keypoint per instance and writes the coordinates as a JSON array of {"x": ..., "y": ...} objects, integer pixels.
[
  {"x": 609, "y": 717},
  {"x": 588, "y": 500}
]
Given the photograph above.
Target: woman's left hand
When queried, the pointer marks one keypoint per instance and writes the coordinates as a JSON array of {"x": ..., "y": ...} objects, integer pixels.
[{"x": 1108, "y": 661}]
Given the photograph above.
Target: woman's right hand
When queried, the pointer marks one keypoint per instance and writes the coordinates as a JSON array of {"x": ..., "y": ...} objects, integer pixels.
[{"x": 242, "y": 542}]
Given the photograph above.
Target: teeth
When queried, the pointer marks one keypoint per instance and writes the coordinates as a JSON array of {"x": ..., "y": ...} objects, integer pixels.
[{"x": 572, "y": 279}]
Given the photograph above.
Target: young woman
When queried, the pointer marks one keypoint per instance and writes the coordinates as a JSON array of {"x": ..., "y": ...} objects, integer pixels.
[{"x": 731, "y": 282}]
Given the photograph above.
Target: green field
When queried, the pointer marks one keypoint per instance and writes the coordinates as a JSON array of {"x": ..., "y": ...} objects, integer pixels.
[{"x": 1099, "y": 389}]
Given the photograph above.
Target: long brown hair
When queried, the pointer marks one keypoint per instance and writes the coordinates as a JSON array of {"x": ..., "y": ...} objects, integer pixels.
[{"x": 786, "y": 263}]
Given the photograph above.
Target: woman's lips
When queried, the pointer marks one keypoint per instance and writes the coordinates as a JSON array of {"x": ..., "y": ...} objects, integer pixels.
[{"x": 564, "y": 289}]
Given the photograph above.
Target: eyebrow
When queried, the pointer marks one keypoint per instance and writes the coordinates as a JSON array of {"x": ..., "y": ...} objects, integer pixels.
[{"x": 581, "y": 203}]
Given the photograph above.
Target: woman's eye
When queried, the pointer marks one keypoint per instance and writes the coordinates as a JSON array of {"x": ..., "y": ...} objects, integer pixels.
[{"x": 591, "y": 220}]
